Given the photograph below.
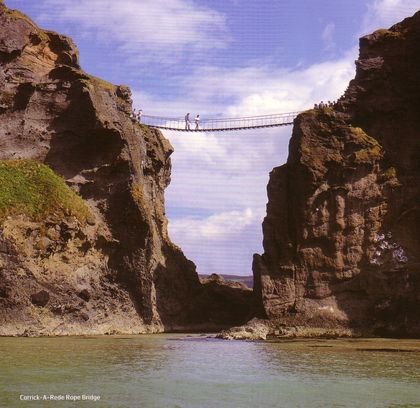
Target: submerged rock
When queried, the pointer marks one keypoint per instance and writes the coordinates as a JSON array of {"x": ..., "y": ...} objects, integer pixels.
[{"x": 255, "y": 329}]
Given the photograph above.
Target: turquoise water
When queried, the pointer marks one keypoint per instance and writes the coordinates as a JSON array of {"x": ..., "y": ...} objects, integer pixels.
[{"x": 180, "y": 371}]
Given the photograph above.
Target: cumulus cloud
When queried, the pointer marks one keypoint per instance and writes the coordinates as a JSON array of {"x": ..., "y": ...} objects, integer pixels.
[
  {"x": 225, "y": 225},
  {"x": 150, "y": 29},
  {"x": 297, "y": 90},
  {"x": 255, "y": 90},
  {"x": 221, "y": 240}
]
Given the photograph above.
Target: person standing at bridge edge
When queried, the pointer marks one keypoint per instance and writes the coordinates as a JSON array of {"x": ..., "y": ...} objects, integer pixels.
[
  {"x": 197, "y": 122},
  {"x": 187, "y": 122}
]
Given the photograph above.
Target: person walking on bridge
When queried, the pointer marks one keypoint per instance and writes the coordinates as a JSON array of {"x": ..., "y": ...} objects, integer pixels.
[
  {"x": 187, "y": 122},
  {"x": 133, "y": 114},
  {"x": 197, "y": 122}
]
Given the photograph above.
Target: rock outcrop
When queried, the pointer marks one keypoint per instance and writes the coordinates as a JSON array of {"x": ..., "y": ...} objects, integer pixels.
[
  {"x": 341, "y": 241},
  {"x": 115, "y": 271},
  {"x": 223, "y": 301},
  {"x": 255, "y": 329}
]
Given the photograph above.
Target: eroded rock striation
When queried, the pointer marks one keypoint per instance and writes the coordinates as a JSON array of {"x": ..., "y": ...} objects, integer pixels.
[
  {"x": 115, "y": 270},
  {"x": 341, "y": 235}
]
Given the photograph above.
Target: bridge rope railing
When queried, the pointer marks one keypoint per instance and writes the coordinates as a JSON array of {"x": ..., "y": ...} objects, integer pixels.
[{"x": 219, "y": 124}]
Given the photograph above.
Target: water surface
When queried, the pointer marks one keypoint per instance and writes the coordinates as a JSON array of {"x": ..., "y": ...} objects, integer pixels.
[{"x": 181, "y": 371}]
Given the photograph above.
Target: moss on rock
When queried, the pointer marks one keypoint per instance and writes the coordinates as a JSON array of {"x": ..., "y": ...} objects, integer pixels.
[
  {"x": 101, "y": 83},
  {"x": 139, "y": 198},
  {"x": 372, "y": 149},
  {"x": 383, "y": 33}
]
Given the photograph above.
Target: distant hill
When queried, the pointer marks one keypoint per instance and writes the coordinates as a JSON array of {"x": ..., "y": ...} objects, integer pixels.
[{"x": 247, "y": 280}]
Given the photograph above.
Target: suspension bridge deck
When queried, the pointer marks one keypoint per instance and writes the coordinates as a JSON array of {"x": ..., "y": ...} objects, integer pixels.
[{"x": 218, "y": 125}]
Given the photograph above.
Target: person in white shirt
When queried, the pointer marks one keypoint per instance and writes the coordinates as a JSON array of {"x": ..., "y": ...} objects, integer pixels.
[{"x": 187, "y": 122}]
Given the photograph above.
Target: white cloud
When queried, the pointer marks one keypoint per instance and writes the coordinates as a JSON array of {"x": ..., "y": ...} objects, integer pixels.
[
  {"x": 384, "y": 13},
  {"x": 147, "y": 29},
  {"x": 230, "y": 153},
  {"x": 221, "y": 240},
  {"x": 254, "y": 90},
  {"x": 222, "y": 226},
  {"x": 328, "y": 37},
  {"x": 298, "y": 89}
]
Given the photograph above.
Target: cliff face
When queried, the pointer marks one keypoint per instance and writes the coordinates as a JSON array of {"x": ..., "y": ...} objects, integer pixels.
[
  {"x": 341, "y": 242},
  {"x": 115, "y": 271}
]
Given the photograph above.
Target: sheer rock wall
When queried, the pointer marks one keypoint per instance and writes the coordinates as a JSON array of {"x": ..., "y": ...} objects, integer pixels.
[
  {"x": 341, "y": 235},
  {"x": 119, "y": 272}
]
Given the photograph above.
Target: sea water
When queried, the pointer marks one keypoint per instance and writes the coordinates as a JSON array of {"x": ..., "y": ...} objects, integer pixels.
[{"x": 183, "y": 371}]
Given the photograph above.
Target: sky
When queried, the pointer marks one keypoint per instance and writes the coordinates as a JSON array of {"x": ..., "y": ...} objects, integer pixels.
[{"x": 220, "y": 58}]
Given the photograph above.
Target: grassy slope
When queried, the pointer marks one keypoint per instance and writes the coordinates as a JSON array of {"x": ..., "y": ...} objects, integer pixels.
[{"x": 33, "y": 189}]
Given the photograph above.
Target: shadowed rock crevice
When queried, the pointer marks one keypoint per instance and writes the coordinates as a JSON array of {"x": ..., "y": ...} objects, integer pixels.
[
  {"x": 8, "y": 56},
  {"x": 72, "y": 153},
  {"x": 23, "y": 95}
]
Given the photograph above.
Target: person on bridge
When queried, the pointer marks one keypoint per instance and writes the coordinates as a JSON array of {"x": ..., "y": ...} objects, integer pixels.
[
  {"x": 139, "y": 115},
  {"x": 187, "y": 122},
  {"x": 197, "y": 122}
]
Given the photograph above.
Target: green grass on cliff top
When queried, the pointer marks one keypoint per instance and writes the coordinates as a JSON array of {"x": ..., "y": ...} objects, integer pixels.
[{"x": 33, "y": 189}]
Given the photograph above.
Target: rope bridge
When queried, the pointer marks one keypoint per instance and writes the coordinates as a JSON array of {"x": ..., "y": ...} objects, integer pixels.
[{"x": 217, "y": 125}]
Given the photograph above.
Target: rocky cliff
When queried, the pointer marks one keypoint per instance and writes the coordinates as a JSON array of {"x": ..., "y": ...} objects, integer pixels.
[
  {"x": 103, "y": 264},
  {"x": 341, "y": 241}
]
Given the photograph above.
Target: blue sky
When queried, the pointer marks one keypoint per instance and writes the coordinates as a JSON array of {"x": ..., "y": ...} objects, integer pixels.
[{"x": 220, "y": 58}]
